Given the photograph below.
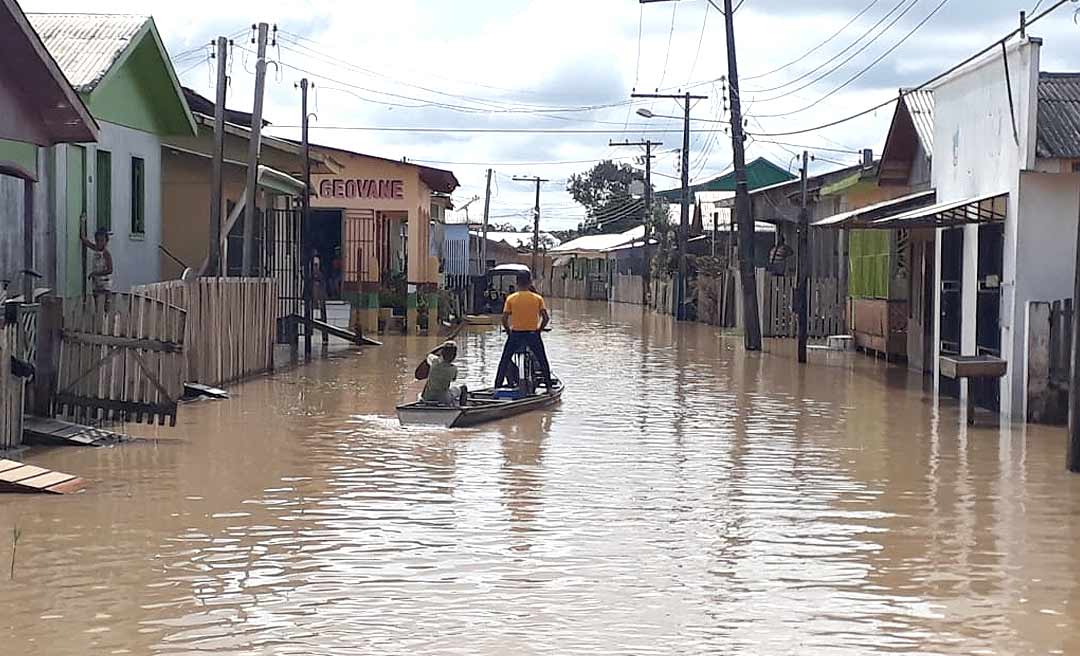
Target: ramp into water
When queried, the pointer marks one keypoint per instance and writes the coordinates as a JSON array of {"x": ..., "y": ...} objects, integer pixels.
[
  {"x": 334, "y": 331},
  {"x": 57, "y": 432}
]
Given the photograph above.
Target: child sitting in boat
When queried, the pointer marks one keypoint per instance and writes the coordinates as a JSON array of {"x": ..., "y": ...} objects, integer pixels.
[{"x": 440, "y": 373}]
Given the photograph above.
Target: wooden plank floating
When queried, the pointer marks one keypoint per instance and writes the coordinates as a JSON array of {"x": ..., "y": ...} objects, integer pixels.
[
  {"x": 22, "y": 478},
  {"x": 57, "y": 432}
]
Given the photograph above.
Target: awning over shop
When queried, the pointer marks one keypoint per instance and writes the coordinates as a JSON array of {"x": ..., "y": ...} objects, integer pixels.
[
  {"x": 860, "y": 217},
  {"x": 980, "y": 209}
]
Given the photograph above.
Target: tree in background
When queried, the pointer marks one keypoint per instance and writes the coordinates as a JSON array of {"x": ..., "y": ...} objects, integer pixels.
[{"x": 604, "y": 191}]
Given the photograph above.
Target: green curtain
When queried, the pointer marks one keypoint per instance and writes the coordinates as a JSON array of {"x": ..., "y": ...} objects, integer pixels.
[{"x": 869, "y": 258}]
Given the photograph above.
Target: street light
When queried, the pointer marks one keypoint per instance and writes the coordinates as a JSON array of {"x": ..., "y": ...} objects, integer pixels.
[{"x": 645, "y": 113}]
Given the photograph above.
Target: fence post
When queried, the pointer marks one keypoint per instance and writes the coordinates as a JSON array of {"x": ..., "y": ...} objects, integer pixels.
[
  {"x": 50, "y": 323},
  {"x": 1037, "y": 360}
]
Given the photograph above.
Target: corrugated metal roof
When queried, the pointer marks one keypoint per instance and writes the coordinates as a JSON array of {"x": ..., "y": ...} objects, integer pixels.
[
  {"x": 600, "y": 243},
  {"x": 85, "y": 46},
  {"x": 920, "y": 105},
  {"x": 1058, "y": 126}
]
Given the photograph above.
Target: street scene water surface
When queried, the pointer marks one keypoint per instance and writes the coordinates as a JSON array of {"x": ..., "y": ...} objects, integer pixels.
[{"x": 685, "y": 497}]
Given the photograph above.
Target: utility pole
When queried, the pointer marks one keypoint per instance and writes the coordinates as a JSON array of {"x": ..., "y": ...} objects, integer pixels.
[
  {"x": 253, "y": 153},
  {"x": 214, "y": 256},
  {"x": 1073, "y": 455},
  {"x": 684, "y": 210},
  {"x": 536, "y": 220},
  {"x": 483, "y": 238},
  {"x": 803, "y": 262},
  {"x": 743, "y": 212},
  {"x": 648, "y": 144},
  {"x": 305, "y": 226}
]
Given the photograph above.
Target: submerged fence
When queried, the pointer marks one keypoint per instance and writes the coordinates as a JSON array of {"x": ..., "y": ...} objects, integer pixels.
[{"x": 231, "y": 325}]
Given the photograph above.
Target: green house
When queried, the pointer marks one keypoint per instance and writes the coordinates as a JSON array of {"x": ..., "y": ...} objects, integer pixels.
[{"x": 118, "y": 65}]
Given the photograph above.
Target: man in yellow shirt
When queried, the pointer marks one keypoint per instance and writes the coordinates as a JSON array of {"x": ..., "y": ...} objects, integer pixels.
[{"x": 524, "y": 317}]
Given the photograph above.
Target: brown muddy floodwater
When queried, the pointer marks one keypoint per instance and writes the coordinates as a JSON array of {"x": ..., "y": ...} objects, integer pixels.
[{"x": 685, "y": 498}]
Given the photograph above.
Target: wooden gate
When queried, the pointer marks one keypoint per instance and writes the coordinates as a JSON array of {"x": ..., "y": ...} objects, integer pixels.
[{"x": 120, "y": 360}]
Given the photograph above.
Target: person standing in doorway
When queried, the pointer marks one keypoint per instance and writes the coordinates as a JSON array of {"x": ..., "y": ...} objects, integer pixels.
[
  {"x": 525, "y": 316},
  {"x": 101, "y": 262}
]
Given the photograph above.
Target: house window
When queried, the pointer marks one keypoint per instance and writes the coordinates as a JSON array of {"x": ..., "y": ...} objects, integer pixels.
[
  {"x": 138, "y": 196},
  {"x": 104, "y": 189}
]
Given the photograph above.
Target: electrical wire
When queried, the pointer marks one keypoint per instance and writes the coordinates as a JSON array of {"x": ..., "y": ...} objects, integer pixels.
[
  {"x": 869, "y": 66},
  {"x": 906, "y": 92},
  {"x": 910, "y": 5},
  {"x": 701, "y": 40},
  {"x": 449, "y": 130},
  {"x": 801, "y": 58},
  {"x": 671, "y": 34}
]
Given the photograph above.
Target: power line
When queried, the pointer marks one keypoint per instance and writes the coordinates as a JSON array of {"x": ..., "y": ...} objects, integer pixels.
[
  {"x": 701, "y": 39},
  {"x": 671, "y": 33},
  {"x": 811, "y": 51},
  {"x": 911, "y": 90},
  {"x": 368, "y": 128},
  {"x": 492, "y": 108},
  {"x": 867, "y": 68},
  {"x": 545, "y": 163},
  {"x": 910, "y": 5}
]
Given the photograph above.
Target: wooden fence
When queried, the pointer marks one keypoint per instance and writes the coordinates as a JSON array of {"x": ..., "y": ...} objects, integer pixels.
[
  {"x": 11, "y": 390},
  {"x": 120, "y": 359},
  {"x": 1049, "y": 361},
  {"x": 231, "y": 325},
  {"x": 716, "y": 299},
  {"x": 825, "y": 315},
  {"x": 17, "y": 339}
]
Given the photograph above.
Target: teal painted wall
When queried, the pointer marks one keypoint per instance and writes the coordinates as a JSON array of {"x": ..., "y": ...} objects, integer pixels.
[{"x": 23, "y": 154}]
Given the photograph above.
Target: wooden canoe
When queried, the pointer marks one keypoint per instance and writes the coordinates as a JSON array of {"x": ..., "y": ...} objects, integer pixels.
[{"x": 482, "y": 407}]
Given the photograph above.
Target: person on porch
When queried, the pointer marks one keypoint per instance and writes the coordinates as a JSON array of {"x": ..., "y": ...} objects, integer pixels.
[{"x": 101, "y": 262}]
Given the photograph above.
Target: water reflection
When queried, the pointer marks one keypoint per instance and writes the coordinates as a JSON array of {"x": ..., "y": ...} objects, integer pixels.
[{"x": 685, "y": 497}]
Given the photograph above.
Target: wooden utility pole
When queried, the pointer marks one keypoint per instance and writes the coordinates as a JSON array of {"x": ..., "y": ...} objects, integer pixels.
[
  {"x": 684, "y": 210},
  {"x": 536, "y": 221},
  {"x": 305, "y": 227},
  {"x": 803, "y": 262},
  {"x": 213, "y": 267},
  {"x": 483, "y": 235},
  {"x": 1073, "y": 454},
  {"x": 253, "y": 153},
  {"x": 743, "y": 212},
  {"x": 648, "y": 144}
]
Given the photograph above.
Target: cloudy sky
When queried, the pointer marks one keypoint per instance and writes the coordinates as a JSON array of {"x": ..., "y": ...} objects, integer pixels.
[{"x": 541, "y": 68}]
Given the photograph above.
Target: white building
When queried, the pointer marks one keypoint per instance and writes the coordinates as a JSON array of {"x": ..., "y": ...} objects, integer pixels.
[{"x": 1006, "y": 173}]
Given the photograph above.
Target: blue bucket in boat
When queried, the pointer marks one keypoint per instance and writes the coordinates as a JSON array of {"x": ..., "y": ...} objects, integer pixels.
[{"x": 508, "y": 393}]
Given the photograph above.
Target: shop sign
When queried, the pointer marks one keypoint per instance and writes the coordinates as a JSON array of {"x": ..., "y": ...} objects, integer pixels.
[{"x": 361, "y": 188}]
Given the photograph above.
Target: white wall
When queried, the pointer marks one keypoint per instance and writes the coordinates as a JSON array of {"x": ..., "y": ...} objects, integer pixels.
[
  {"x": 1045, "y": 257},
  {"x": 977, "y": 152},
  {"x": 135, "y": 257}
]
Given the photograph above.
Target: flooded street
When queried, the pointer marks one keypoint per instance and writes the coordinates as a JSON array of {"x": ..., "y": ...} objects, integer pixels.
[{"x": 684, "y": 498}]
